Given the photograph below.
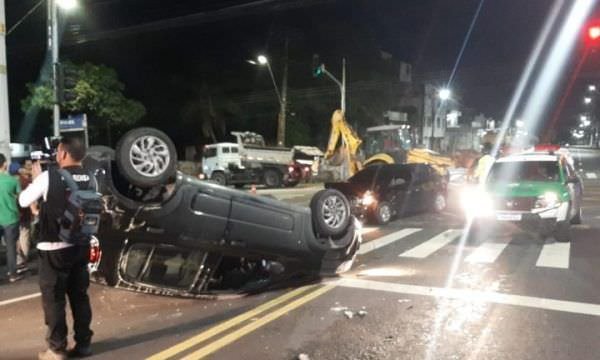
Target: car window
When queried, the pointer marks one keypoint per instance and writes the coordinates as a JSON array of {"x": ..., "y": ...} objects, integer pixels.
[
  {"x": 166, "y": 266},
  {"x": 524, "y": 171},
  {"x": 234, "y": 150},
  {"x": 365, "y": 177},
  {"x": 420, "y": 174},
  {"x": 210, "y": 152},
  {"x": 225, "y": 150}
]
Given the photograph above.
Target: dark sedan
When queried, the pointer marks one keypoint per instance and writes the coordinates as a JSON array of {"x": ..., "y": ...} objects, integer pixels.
[{"x": 381, "y": 192}]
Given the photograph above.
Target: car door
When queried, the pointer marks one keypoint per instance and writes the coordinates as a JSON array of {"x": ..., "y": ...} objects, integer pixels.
[
  {"x": 416, "y": 190},
  {"x": 398, "y": 184}
]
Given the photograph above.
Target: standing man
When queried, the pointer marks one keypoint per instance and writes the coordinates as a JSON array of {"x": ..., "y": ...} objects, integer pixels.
[
  {"x": 9, "y": 217},
  {"x": 484, "y": 163},
  {"x": 63, "y": 265},
  {"x": 25, "y": 216}
]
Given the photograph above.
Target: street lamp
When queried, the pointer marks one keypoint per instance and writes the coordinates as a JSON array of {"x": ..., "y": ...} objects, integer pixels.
[
  {"x": 444, "y": 94},
  {"x": 591, "y": 88},
  {"x": 587, "y": 100},
  {"x": 67, "y": 4},
  {"x": 281, "y": 97},
  {"x": 53, "y": 47}
]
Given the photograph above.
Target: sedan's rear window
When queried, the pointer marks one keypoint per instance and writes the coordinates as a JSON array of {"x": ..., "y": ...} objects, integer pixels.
[{"x": 517, "y": 171}]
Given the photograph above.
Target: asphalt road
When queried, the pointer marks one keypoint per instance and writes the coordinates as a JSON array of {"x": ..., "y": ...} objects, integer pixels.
[{"x": 416, "y": 291}]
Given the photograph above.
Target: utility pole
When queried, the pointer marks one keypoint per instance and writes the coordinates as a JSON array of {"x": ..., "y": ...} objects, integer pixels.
[
  {"x": 4, "y": 111},
  {"x": 53, "y": 45},
  {"x": 281, "y": 119}
]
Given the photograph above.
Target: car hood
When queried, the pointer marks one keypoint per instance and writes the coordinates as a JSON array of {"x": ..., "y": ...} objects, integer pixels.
[{"x": 526, "y": 189}]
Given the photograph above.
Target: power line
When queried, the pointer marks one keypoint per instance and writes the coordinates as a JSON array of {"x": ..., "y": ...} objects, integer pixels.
[{"x": 12, "y": 28}]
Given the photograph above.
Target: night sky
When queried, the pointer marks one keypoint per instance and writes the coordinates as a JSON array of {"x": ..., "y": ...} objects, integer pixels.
[{"x": 156, "y": 61}]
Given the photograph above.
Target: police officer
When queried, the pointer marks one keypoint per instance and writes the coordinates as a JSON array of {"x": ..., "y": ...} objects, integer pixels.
[{"x": 63, "y": 265}]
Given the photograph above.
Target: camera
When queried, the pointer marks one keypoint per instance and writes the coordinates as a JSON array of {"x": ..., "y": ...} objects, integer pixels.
[{"x": 47, "y": 156}]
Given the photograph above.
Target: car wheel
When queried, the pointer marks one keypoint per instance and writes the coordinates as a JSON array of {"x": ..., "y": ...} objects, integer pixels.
[
  {"x": 219, "y": 178},
  {"x": 439, "y": 202},
  {"x": 382, "y": 214},
  {"x": 239, "y": 186},
  {"x": 576, "y": 220},
  {"x": 146, "y": 157},
  {"x": 330, "y": 212},
  {"x": 272, "y": 178},
  {"x": 562, "y": 233},
  {"x": 292, "y": 184}
]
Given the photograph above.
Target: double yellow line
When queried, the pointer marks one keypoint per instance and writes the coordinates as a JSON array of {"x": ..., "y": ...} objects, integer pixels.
[{"x": 309, "y": 292}]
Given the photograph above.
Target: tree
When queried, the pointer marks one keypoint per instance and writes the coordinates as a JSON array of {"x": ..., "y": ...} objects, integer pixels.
[{"x": 97, "y": 92}]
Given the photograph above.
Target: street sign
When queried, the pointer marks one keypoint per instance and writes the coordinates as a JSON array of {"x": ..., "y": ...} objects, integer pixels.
[{"x": 73, "y": 123}]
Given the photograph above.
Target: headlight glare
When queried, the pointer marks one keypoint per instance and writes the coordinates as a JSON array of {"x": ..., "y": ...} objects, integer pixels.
[{"x": 368, "y": 199}]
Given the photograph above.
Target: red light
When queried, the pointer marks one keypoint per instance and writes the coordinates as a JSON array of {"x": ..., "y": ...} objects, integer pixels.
[{"x": 594, "y": 32}]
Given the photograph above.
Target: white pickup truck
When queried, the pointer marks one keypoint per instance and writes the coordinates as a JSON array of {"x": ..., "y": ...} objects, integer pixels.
[{"x": 250, "y": 161}]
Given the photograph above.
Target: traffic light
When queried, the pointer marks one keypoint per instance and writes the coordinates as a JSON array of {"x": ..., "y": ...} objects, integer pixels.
[
  {"x": 67, "y": 78},
  {"x": 317, "y": 67}
]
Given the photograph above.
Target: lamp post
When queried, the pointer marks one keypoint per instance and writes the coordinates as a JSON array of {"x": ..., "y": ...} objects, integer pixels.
[
  {"x": 281, "y": 96},
  {"x": 444, "y": 95},
  {"x": 53, "y": 47},
  {"x": 4, "y": 112}
]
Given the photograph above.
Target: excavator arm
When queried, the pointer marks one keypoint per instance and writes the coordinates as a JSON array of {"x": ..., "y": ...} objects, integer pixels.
[{"x": 350, "y": 142}]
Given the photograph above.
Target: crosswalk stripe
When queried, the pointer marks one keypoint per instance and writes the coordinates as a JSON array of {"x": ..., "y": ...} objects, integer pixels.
[
  {"x": 386, "y": 240},
  {"x": 432, "y": 245},
  {"x": 555, "y": 255},
  {"x": 486, "y": 253}
]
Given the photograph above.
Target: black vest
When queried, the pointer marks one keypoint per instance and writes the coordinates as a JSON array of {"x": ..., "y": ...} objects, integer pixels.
[{"x": 56, "y": 201}]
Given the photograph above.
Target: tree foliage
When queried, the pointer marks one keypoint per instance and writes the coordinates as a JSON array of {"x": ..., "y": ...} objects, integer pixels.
[{"x": 98, "y": 93}]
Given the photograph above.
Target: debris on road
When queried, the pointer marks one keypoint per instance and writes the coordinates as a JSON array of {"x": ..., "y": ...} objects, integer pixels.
[
  {"x": 362, "y": 313},
  {"x": 349, "y": 314},
  {"x": 339, "y": 308},
  {"x": 303, "y": 357},
  {"x": 403, "y": 300}
]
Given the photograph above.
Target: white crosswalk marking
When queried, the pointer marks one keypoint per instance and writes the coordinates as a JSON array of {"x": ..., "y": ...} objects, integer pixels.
[
  {"x": 555, "y": 255},
  {"x": 385, "y": 240},
  {"x": 486, "y": 253},
  {"x": 432, "y": 245}
]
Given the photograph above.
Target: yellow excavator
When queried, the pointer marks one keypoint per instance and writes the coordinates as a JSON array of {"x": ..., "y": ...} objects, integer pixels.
[{"x": 386, "y": 146}]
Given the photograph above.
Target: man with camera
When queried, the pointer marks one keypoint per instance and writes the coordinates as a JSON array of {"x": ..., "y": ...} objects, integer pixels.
[{"x": 63, "y": 262}]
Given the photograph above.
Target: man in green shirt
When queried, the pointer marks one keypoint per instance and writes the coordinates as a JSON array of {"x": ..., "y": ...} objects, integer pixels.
[{"x": 9, "y": 217}]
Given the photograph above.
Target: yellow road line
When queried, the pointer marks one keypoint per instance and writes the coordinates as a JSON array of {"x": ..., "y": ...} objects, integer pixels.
[
  {"x": 172, "y": 351},
  {"x": 230, "y": 338}
]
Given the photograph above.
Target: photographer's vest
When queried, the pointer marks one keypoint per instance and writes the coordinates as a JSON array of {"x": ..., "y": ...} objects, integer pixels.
[{"x": 53, "y": 208}]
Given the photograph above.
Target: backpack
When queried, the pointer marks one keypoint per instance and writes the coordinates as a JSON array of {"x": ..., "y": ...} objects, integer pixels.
[{"x": 81, "y": 218}]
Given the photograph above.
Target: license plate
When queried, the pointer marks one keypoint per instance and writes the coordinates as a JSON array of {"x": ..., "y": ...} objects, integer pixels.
[{"x": 509, "y": 217}]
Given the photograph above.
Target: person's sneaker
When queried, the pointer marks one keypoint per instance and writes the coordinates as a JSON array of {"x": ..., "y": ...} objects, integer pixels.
[
  {"x": 52, "y": 355},
  {"x": 14, "y": 278},
  {"x": 79, "y": 351},
  {"x": 22, "y": 269}
]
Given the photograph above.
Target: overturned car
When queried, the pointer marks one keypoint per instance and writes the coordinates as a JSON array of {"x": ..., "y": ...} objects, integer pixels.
[{"x": 168, "y": 233}]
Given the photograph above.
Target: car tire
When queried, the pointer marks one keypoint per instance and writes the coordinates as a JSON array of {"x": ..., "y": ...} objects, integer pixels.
[
  {"x": 146, "y": 157},
  {"x": 382, "y": 214},
  {"x": 562, "y": 233},
  {"x": 219, "y": 178},
  {"x": 272, "y": 178},
  {"x": 439, "y": 202},
  {"x": 576, "y": 220},
  {"x": 330, "y": 212}
]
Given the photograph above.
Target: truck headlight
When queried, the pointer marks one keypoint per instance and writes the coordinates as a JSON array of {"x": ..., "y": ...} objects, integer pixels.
[
  {"x": 368, "y": 199},
  {"x": 548, "y": 200},
  {"x": 476, "y": 202}
]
